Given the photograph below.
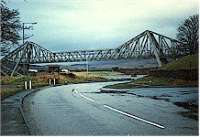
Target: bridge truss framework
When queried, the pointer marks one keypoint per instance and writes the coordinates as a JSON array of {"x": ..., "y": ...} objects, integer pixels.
[{"x": 146, "y": 44}]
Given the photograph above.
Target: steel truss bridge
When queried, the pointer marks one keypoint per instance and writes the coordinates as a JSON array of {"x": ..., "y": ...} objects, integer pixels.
[{"x": 147, "y": 44}]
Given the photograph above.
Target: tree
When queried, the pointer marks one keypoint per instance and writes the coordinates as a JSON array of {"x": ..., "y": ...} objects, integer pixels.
[
  {"x": 10, "y": 27},
  {"x": 188, "y": 33}
]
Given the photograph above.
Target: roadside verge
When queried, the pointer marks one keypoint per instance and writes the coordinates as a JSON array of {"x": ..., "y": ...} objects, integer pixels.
[{"x": 13, "y": 121}]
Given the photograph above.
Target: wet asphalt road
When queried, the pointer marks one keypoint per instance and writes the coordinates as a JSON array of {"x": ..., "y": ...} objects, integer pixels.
[{"x": 81, "y": 109}]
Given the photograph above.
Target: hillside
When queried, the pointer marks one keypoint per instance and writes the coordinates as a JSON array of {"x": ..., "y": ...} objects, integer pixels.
[
  {"x": 187, "y": 62},
  {"x": 181, "y": 72}
]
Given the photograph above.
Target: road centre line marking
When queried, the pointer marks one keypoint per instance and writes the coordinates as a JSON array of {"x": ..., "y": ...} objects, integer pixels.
[
  {"x": 121, "y": 112},
  {"x": 74, "y": 90},
  {"x": 89, "y": 99},
  {"x": 134, "y": 117}
]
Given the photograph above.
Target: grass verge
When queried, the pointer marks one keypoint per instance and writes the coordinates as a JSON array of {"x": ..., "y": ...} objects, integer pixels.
[
  {"x": 9, "y": 91},
  {"x": 13, "y": 85}
]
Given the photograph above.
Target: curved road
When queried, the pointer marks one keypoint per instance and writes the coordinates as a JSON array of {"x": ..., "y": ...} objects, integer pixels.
[{"x": 80, "y": 109}]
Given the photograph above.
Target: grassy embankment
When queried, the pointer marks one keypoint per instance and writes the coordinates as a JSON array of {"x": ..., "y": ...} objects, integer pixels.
[
  {"x": 12, "y": 85},
  {"x": 184, "y": 63}
]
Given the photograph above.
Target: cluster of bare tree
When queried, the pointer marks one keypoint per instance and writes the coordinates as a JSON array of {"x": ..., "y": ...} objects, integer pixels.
[{"x": 188, "y": 33}]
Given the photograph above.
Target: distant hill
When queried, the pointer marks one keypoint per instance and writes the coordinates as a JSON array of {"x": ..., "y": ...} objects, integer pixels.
[{"x": 187, "y": 62}]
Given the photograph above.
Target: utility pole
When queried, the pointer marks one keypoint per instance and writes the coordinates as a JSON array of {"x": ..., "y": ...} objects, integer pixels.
[
  {"x": 87, "y": 67},
  {"x": 23, "y": 39},
  {"x": 23, "y": 35},
  {"x": 23, "y": 32},
  {"x": 24, "y": 27}
]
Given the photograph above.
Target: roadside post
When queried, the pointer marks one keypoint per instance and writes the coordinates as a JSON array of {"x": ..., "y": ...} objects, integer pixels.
[
  {"x": 49, "y": 81},
  {"x": 54, "y": 81},
  {"x": 30, "y": 84},
  {"x": 87, "y": 65},
  {"x": 25, "y": 85}
]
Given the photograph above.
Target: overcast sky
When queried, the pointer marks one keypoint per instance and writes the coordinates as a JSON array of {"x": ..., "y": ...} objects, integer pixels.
[{"x": 66, "y": 25}]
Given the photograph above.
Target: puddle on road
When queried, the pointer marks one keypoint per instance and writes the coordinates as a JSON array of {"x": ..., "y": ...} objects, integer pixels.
[
  {"x": 189, "y": 114},
  {"x": 164, "y": 97},
  {"x": 187, "y": 105},
  {"x": 192, "y": 109}
]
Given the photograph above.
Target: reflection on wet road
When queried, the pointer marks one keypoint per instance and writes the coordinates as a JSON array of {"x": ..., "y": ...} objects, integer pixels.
[{"x": 81, "y": 109}]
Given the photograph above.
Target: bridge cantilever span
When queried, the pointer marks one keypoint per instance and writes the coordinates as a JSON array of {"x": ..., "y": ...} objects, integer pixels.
[{"x": 146, "y": 44}]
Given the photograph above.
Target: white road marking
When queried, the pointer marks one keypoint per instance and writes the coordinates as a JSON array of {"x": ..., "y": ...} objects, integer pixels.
[
  {"x": 135, "y": 117},
  {"x": 121, "y": 112},
  {"x": 76, "y": 91},
  {"x": 89, "y": 99}
]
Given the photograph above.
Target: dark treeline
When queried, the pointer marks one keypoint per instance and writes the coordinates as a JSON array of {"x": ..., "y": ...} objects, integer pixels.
[{"x": 10, "y": 28}]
